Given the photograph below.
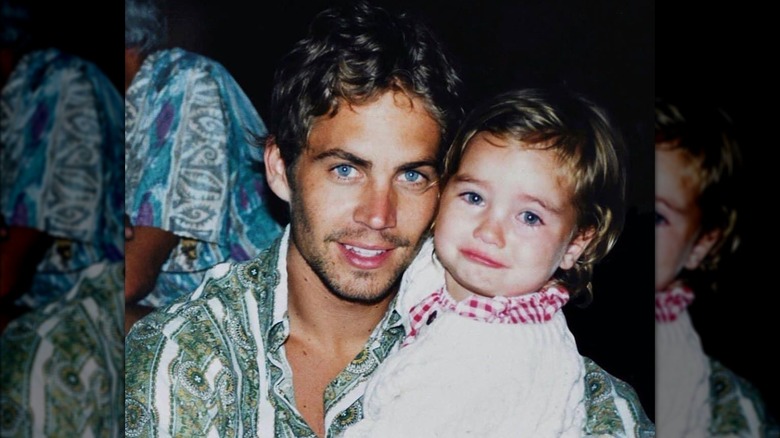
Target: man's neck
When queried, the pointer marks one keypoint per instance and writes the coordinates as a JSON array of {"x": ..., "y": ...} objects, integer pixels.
[{"x": 326, "y": 333}]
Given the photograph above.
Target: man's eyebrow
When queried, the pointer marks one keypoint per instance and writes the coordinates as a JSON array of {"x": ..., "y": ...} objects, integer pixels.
[
  {"x": 418, "y": 164},
  {"x": 344, "y": 155}
]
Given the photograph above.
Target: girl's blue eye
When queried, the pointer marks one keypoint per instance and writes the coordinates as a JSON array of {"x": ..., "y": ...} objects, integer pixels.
[
  {"x": 530, "y": 218},
  {"x": 472, "y": 198}
]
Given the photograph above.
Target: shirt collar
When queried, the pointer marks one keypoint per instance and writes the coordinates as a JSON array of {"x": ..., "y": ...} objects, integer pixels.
[{"x": 279, "y": 328}]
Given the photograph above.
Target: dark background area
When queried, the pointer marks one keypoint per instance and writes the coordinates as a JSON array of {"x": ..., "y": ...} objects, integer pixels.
[
  {"x": 96, "y": 36},
  {"x": 721, "y": 56},
  {"x": 601, "y": 48}
]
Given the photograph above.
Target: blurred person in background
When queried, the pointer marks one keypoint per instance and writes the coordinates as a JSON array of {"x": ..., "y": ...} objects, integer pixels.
[
  {"x": 194, "y": 195},
  {"x": 61, "y": 248}
]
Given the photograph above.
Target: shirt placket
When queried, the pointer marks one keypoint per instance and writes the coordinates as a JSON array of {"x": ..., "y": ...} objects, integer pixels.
[{"x": 280, "y": 392}]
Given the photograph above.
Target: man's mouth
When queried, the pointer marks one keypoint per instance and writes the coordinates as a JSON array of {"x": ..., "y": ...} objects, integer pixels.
[
  {"x": 365, "y": 257},
  {"x": 364, "y": 252}
]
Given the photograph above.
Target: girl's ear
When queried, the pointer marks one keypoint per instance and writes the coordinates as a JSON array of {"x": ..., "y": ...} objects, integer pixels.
[
  {"x": 276, "y": 170},
  {"x": 702, "y": 247},
  {"x": 576, "y": 247}
]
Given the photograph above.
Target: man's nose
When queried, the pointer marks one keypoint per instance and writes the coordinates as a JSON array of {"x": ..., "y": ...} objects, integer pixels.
[{"x": 377, "y": 209}]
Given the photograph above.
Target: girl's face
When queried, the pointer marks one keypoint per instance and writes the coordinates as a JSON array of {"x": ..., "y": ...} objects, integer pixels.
[
  {"x": 679, "y": 242},
  {"x": 506, "y": 220}
]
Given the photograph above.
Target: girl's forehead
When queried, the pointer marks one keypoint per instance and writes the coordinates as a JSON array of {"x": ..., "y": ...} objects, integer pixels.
[{"x": 512, "y": 163}]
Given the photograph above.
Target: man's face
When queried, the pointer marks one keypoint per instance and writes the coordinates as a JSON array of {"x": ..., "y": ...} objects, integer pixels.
[{"x": 363, "y": 194}]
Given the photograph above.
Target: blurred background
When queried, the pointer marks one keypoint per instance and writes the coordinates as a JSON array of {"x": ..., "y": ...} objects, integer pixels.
[{"x": 721, "y": 56}]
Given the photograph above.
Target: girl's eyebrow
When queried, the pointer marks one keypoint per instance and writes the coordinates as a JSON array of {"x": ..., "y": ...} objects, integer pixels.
[
  {"x": 466, "y": 178},
  {"x": 544, "y": 205}
]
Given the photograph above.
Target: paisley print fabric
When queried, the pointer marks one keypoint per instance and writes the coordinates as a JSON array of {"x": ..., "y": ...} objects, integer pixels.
[{"x": 213, "y": 364}]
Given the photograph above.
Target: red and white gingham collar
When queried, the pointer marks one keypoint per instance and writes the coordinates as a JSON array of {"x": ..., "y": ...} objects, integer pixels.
[
  {"x": 533, "y": 308},
  {"x": 669, "y": 304}
]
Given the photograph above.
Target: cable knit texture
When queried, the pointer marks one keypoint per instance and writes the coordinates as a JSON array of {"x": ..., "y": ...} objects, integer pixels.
[{"x": 502, "y": 366}]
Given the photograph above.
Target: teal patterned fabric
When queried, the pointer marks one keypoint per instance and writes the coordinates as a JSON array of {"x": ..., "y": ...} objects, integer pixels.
[
  {"x": 191, "y": 167},
  {"x": 61, "y": 366},
  {"x": 215, "y": 364},
  {"x": 61, "y": 131}
]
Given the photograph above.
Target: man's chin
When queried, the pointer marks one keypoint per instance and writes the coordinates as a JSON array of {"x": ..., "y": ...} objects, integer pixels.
[{"x": 368, "y": 293}]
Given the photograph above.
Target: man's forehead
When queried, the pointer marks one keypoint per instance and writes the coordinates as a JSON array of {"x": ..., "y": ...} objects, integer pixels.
[{"x": 392, "y": 121}]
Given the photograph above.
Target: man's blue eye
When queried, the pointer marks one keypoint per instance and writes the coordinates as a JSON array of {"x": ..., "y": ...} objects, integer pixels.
[
  {"x": 344, "y": 171},
  {"x": 412, "y": 176},
  {"x": 530, "y": 218}
]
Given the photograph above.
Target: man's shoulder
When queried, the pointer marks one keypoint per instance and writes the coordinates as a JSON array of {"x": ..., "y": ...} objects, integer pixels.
[
  {"x": 183, "y": 362},
  {"x": 613, "y": 406},
  {"x": 225, "y": 289}
]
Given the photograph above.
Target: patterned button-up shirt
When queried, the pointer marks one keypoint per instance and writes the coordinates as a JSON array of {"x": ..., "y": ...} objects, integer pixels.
[{"x": 215, "y": 364}]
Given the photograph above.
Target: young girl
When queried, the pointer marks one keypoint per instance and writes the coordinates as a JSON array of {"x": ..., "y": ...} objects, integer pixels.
[{"x": 533, "y": 198}]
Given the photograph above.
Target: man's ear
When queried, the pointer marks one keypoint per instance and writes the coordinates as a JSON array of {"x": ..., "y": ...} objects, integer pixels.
[
  {"x": 576, "y": 247},
  {"x": 702, "y": 247},
  {"x": 276, "y": 170}
]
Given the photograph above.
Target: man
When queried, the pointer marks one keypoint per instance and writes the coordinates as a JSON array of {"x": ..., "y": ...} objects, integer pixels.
[{"x": 359, "y": 112}]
